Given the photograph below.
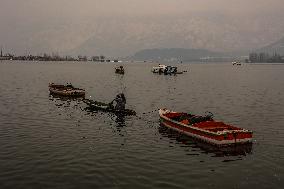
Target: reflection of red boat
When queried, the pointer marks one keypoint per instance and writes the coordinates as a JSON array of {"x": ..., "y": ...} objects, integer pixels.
[
  {"x": 193, "y": 143},
  {"x": 204, "y": 128}
]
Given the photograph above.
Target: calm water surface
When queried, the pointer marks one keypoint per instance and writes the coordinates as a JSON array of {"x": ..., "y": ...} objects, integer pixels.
[{"x": 48, "y": 142}]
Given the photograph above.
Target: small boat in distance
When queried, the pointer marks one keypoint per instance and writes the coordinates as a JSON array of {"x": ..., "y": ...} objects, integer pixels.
[
  {"x": 119, "y": 70},
  {"x": 238, "y": 63},
  {"x": 159, "y": 69},
  {"x": 166, "y": 70},
  {"x": 66, "y": 90},
  {"x": 204, "y": 128}
]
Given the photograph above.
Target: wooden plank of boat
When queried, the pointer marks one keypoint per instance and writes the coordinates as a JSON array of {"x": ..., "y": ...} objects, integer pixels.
[
  {"x": 71, "y": 93},
  {"x": 210, "y": 131},
  {"x": 95, "y": 105}
]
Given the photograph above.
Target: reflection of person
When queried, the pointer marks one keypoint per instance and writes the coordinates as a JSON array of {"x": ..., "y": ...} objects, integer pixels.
[{"x": 120, "y": 101}]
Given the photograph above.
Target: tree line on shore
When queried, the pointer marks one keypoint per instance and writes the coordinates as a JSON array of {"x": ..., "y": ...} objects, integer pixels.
[{"x": 55, "y": 57}]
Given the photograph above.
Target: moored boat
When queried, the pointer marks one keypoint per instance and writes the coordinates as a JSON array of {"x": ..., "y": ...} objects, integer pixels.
[
  {"x": 204, "y": 128},
  {"x": 66, "y": 90}
]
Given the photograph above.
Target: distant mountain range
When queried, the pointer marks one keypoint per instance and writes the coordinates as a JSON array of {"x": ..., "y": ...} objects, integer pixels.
[
  {"x": 276, "y": 47},
  {"x": 183, "y": 54},
  {"x": 174, "y": 54}
]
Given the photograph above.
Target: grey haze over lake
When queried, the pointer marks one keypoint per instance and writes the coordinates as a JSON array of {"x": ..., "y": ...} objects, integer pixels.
[{"x": 123, "y": 27}]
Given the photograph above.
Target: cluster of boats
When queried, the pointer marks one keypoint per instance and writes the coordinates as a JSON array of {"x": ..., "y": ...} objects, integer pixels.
[
  {"x": 166, "y": 70},
  {"x": 70, "y": 91},
  {"x": 204, "y": 128},
  {"x": 160, "y": 69}
]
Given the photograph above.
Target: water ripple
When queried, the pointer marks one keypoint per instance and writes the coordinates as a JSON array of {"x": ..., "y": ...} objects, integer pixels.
[{"x": 51, "y": 142}]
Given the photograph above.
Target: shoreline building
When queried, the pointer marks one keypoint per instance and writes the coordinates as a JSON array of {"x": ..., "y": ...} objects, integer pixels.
[{"x": 5, "y": 57}]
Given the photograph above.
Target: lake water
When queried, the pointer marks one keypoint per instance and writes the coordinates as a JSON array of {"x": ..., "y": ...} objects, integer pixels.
[{"x": 48, "y": 142}]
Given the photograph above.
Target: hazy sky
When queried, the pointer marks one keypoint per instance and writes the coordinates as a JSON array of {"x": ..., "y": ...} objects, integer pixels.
[{"x": 122, "y": 27}]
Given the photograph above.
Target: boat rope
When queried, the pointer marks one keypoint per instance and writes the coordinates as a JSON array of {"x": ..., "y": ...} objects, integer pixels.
[
  {"x": 142, "y": 116},
  {"x": 145, "y": 113},
  {"x": 146, "y": 120}
]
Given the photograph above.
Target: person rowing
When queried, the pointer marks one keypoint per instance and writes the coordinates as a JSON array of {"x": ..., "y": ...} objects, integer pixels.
[{"x": 120, "y": 101}]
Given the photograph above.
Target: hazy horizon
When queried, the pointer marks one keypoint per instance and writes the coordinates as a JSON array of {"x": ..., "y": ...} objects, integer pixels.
[{"x": 123, "y": 27}]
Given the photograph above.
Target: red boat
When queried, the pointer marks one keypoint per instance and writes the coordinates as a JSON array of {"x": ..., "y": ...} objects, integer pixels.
[{"x": 204, "y": 128}]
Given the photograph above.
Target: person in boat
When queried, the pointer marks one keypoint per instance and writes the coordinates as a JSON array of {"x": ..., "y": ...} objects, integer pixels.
[
  {"x": 120, "y": 101},
  {"x": 69, "y": 85},
  {"x": 121, "y": 69}
]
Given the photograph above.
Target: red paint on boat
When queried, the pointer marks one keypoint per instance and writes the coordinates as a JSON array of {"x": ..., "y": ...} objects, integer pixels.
[{"x": 209, "y": 130}]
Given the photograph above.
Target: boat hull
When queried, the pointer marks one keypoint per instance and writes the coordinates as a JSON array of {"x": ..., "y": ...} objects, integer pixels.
[
  {"x": 225, "y": 138},
  {"x": 95, "y": 106},
  {"x": 66, "y": 91},
  {"x": 119, "y": 72}
]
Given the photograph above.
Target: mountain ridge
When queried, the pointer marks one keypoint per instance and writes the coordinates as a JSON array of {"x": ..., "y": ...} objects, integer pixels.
[
  {"x": 275, "y": 47},
  {"x": 181, "y": 54}
]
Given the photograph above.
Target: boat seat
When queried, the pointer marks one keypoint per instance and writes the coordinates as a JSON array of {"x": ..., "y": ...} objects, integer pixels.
[{"x": 185, "y": 121}]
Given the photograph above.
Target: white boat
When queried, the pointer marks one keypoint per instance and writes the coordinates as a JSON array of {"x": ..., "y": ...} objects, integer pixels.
[
  {"x": 159, "y": 69},
  {"x": 236, "y": 63},
  {"x": 163, "y": 69}
]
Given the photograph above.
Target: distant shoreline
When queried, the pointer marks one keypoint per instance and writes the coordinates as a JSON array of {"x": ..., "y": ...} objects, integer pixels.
[{"x": 146, "y": 62}]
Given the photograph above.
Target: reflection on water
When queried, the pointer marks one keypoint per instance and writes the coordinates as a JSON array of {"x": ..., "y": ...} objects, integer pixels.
[
  {"x": 189, "y": 142},
  {"x": 64, "y": 98},
  {"x": 120, "y": 122},
  {"x": 54, "y": 142}
]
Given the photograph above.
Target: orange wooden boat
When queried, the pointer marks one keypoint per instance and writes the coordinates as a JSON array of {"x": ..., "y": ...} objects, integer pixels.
[{"x": 204, "y": 128}]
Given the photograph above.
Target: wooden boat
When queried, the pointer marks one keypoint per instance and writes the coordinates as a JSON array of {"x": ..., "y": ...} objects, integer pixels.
[
  {"x": 95, "y": 106},
  {"x": 204, "y": 128},
  {"x": 119, "y": 70},
  {"x": 65, "y": 90}
]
